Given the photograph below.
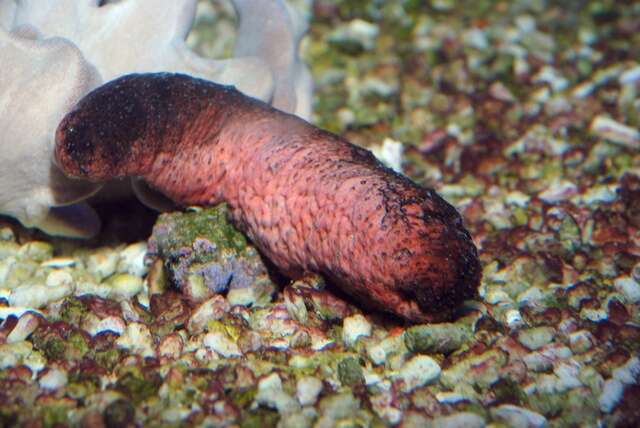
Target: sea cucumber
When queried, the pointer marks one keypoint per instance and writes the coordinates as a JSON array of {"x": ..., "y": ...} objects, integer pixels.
[{"x": 308, "y": 199}]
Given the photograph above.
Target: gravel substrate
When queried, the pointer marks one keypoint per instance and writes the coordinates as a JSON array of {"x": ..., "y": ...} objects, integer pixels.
[{"x": 523, "y": 114}]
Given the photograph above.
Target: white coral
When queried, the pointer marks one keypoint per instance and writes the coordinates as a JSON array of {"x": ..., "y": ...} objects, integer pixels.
[
  {"x": 31, "y": 107},
  {"x": 139, "y": 36},
  {"x": 271, "y": 31},
  {"x": 55, "y": 51}
]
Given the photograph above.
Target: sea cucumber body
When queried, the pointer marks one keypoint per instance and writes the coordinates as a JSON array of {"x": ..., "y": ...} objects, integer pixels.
[{"x": 309, "y": 200}]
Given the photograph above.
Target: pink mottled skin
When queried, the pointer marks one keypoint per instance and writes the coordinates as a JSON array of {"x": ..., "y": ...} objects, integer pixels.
[{"x": 308, "y": 199}]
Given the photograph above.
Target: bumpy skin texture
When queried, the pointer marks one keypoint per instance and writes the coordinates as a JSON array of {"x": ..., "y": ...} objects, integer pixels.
[{"x": 309, "y": 200}]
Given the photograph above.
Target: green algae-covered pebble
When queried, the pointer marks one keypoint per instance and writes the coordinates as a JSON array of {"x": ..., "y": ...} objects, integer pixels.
[
  {"x": 139, "y": 386},
  {"x": 124, "y": 285},
  {"x": 436, "y": 338},
  {"x": 350, "y": 372},
  {"x": 203, "y": 254},
  {"x": 186, "y": 227},
  {"x": 480, "y": 370}
]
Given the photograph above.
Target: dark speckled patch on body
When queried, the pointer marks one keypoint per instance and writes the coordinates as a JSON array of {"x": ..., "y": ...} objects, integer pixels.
[
  {"x": 112, "y": 115},
  {"x": 309, "y": 200},
  {"x": 130, "y": 118}
]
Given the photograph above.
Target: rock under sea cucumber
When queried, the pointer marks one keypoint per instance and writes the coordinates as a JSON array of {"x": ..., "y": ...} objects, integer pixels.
[{"x": 308, "y": 199}]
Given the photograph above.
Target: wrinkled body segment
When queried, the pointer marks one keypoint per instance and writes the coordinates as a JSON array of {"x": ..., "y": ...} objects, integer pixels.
[{"x": 309, "y": 200}]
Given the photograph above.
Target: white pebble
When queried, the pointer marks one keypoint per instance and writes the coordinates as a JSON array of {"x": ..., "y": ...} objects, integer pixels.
[
  {"x": 595, "y": 315},
  {"x": 581, "y": 341},
  {"x": 525, "y": 23},
  {"x": 222, "y": 344},
  {"x": 530, "y": 297},
  {"x": 24, "y": 327},
  {"x": 270, "y": 383},
  {"x": 53, "y": 379},
  {"x": 93, "y": 325},
  {"x": 103, "y": 263},
  {"x": 583, "y": 90},
  {"x": 36, "y": 250},
  {"x": 513, "y": 318},
  {"x": 21, "y": 353},
  {"x": 629, "y": 373},
  {"x": 358, "y": 30},
  {"x": 536, "y": 337},
  {"x": 515, "y": 416},
  {"x": 567, "y": 373},
  {"x": 137, "y": 339},
  {"x": 6, "y": 266},
  {"x": 383, "y": 405},
  {"x": 544, "y": 359},
  {"x": 517, "y": 198},
  {"x": 558, "y": 190},
  {"x": 89, "y": 287},
  {"x": 597, "y": 194},
  {"x": 212, "y": 309},
  {"x": 389, "y": 153},
  {"x": 354, "y": 327},
  {"x": 495, "y": 296},
  {"x": 143, "y": 297},
  {"x": 38, "y": 295},
  {"x": 171, "y": 346},
  {"x": 629, "y": 288},
  {"x": 630, "y": 76},
  {"x": 307, "y": 390},
  {"x": 374, "y": 381},
  {"x": 132, "y": 259},
  {"x": 129, "y": 312},
  {"x": 611, "y": 395},
  {"x": 459, "y": 420},
  {"x": 419, "y": 371},
  {"x": 476, "y": 38},
  {"x": 58, "y": 278},
  {"x": 616, "y": 132},
  {"x": 553, "y": 77},
  {"x": 377, "y": 354},
  {"x": 448, "y": 397},
  {"x": 124, "y": 286},
  {"x": 271, "y": 394},
  {"x": 6, "y": 234},
  {"x": 320, "y": 342}
]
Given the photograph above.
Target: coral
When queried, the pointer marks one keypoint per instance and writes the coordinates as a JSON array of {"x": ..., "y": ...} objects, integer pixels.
[
  {"x": 32, "y": 105},
  {"x": 121, "y": 37},
  {"x": 113, "y": 38}
]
